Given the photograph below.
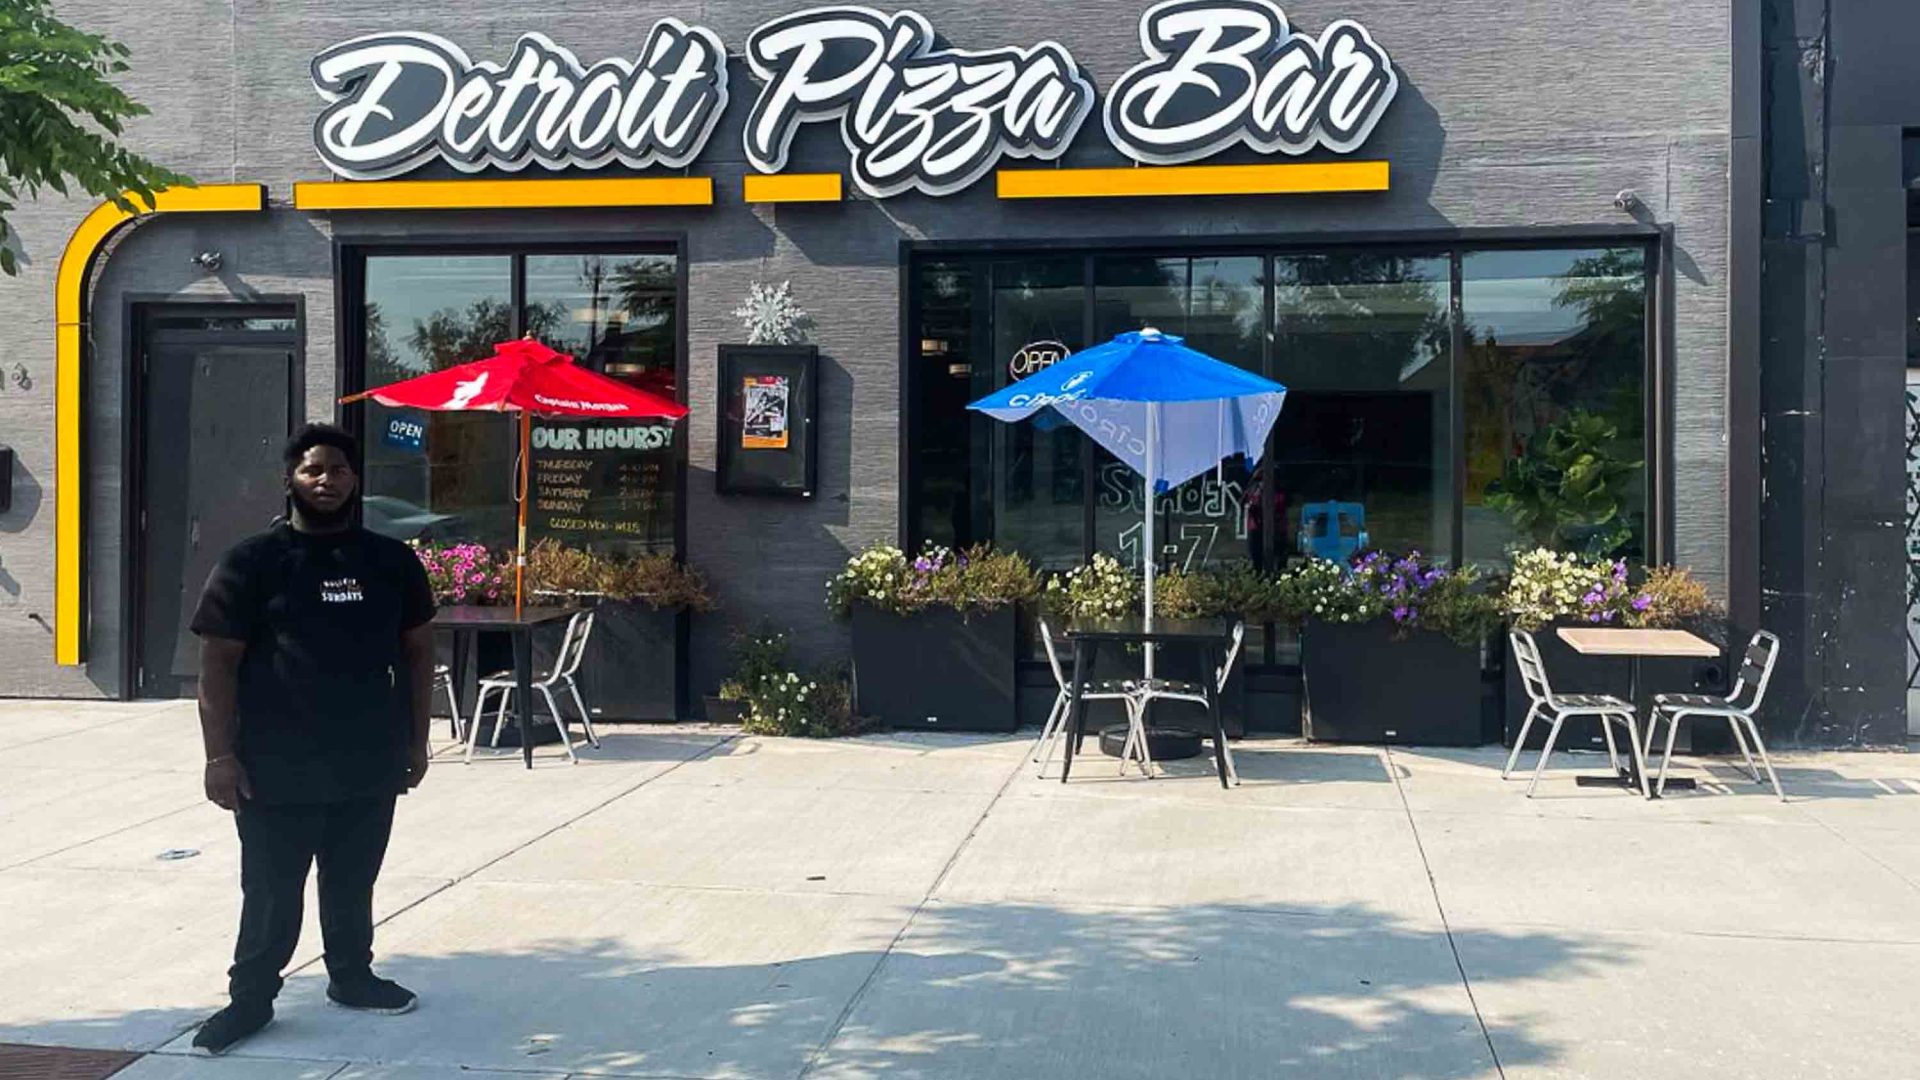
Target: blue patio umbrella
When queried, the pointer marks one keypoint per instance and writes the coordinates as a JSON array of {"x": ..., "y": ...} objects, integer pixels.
[{"x": 1169, "y": 412}]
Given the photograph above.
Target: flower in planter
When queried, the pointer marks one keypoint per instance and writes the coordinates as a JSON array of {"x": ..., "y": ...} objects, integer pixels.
[
  {"x": 977, "y": 579},
  {"x": 464, "y": 573},
  {"x": 1409, "y": 591},
  {"x": 1548, "y": 586},
  {"x": 1102, "y": 589}
]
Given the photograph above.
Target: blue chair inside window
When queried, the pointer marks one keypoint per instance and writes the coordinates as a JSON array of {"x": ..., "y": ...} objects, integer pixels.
[{"x": 1333, "y": 530}]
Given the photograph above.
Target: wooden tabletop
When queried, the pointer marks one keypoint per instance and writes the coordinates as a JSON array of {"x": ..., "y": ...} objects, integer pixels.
[{"x": 1605, "y": 641}]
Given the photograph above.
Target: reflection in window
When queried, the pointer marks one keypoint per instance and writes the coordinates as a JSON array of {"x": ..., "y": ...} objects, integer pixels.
[
  {"x": 451, "y": 476},
  {"x": 1362, "y": 453},
  {"x": 947, "y": 373},
  {"x": 1039, "y": 490},
  {"x": 1215, "y": 305},
  {"x": 1554, "y": 401},
  {"x": 615, "y": 315},
  {"x": 424, "y": 313}
]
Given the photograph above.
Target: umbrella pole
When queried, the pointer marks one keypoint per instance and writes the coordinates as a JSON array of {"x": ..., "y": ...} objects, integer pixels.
[
  {"x": 520, "y": 552},
  {"x": 1147, "y": 551}
]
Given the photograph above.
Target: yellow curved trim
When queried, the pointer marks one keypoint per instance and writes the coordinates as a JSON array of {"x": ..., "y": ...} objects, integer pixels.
[{"x": 69, "y": 350}]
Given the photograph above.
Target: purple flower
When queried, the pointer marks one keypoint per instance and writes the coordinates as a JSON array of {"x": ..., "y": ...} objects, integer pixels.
[
  {"x": 1402, "y": 613},
  {"x": 1642, "y": 602}
]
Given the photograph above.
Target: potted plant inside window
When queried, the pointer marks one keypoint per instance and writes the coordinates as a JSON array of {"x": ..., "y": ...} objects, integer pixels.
[
  {"x": 934, "y": 637},
  {"x": 635, "y": 665},
  {"x": 1390, "y": 649},
  {"x": 1551, "y": 589}
]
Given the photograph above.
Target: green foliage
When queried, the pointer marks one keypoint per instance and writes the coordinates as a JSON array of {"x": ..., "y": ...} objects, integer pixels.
[
  {"x": 658, "y": 581},
  {"x": 1409, "y": 591},
  {"x": 975, "y": 580},
  {"x": 780, "y": 701},
  {"x": 1569, "y": 490},
  {"x": 1102, "y": 589},
  {"x": 1235, "y": 590},
  {"x": 60, "y": 115}
]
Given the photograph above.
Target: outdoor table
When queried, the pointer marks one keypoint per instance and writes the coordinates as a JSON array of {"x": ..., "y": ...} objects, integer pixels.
[
  {"x": 1634, "y": 644},
  {"x": 464, "y": 621},
  {"x": 1206, "y": 636}
]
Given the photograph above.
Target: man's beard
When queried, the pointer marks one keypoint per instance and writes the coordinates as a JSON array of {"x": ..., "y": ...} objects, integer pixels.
[{"x": 323, "y": 519}]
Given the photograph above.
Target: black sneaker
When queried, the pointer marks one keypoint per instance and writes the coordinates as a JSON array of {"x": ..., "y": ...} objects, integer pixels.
[
  {"x": 371, "y": 993},
  {"x": 228, "y": 1026}
]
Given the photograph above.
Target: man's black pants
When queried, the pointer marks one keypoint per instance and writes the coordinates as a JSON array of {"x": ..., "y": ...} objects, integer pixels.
[{"x": 277, "y": 845}]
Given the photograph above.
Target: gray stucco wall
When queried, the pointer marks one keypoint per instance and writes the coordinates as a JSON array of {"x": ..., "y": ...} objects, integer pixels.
[{"x": 1504, "y": 118}]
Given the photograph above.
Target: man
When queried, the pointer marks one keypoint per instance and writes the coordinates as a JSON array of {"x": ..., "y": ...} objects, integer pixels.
[{"x": 315, "y": 677}]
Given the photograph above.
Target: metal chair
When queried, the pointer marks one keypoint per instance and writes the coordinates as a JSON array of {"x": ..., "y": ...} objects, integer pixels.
[
  {"x": 1610, "y": 709},
  {"x": 1102, "y": 690},
  {"x": 573, "y": 649},
  {"x": 443, "y": 681},
  {"x": 1756, "y": 670},
  {"x": 1162, "y": 690}
]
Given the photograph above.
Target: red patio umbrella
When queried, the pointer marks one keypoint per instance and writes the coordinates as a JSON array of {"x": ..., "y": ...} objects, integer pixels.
[{"x": 524, "y": 377}]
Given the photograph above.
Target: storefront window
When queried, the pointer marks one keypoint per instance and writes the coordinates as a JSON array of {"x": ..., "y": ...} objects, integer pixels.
[
  {"x": 424, "y": 313},
  {"x": 1039, "y": 490},
  {"x": 1215, "y": 304},
  {"x": 1415, "y": 418},
  {"x": 1363, "y": 445},
  {"x": 450, "y": 476},
  {"x": 1555, "y": 401}
]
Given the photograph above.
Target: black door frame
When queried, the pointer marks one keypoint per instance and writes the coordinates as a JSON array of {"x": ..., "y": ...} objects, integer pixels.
[{"x": 140, "y": 312}]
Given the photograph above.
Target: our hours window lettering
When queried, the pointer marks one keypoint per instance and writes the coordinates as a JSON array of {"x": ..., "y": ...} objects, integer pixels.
[
  {"x": 1221, "y": 72},
  {"x": 398, "y": 100},
  {"x": 912, "y": 117}
]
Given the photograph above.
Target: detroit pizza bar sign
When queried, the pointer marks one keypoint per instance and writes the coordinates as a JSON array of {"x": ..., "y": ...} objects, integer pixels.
[{"x": 912, "y": 115}]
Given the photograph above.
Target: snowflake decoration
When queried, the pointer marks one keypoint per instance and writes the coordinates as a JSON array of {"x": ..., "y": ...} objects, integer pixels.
[{"x": 770, "y": 315}]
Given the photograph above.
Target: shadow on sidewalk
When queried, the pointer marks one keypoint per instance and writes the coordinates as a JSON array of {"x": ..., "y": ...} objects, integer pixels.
[{"x": 969, "y": 990}]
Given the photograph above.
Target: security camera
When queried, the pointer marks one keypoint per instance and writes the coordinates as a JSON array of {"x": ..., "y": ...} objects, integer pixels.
[
  {"x": 207, "y": 260},
  {"x": 1627, "y": 201}
]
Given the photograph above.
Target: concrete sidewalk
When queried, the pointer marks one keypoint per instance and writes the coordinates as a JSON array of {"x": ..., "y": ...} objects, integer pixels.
[{"x": 691, "y": 903}]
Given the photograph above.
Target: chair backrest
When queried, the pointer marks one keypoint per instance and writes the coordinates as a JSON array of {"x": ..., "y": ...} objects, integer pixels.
[
  {"x": 1533, "y": 673},
  {"x": 1233, "y": 653},
  {"x": 573, "y": 647},
  {"x": 1053, "y": 655},
  {"x": 1756, "y": 669},
  {"x": 1333, "y": 530}
]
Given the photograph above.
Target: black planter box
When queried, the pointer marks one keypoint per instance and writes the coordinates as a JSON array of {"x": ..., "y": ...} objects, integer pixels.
[
  {"x": 936, "y": 671},
  {"x": 1569, "y": 672},
  {"x": 635, "y": 668},
  {"x": 1362, "y": 686},
  {"x": 636, "y": 663}
]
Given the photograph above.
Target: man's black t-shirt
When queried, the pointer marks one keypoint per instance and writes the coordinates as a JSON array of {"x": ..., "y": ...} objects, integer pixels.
[{"x": 324, "y": 704}]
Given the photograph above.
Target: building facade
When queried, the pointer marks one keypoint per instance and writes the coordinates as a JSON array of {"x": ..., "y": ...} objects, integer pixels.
[{"x": 1451, "y": 229}]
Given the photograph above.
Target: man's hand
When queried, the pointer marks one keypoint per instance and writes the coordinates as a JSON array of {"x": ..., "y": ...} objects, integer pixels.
[
  {"x": 417, "y": 758},
  {"x": 227, "y": 783}
]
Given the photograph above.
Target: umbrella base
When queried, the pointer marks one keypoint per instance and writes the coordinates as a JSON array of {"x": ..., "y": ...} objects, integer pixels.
[{"x": 1163, "y": 743}]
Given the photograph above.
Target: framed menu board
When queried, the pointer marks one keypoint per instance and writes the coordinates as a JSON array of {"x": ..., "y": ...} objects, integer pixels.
[
  {"x": 605, "y": 485},
  {"x": 767, "y": 428}
]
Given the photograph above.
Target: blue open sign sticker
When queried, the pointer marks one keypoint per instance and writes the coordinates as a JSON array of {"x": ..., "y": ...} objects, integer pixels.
[{"x": 405, "y": 432}]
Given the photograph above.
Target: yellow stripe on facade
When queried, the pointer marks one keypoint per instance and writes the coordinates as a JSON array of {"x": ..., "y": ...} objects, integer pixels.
[
  {"x": 1294, "y": 178},
  {"x": 792, "y": 187},
  {"x": 503, "y": 194},
  {"x": 70, "y": 317}
]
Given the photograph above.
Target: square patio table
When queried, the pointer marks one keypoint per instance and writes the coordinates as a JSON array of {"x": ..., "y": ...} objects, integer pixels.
[
  {"x": 1208, "y": 637},
  {"x": 1634, "y": 644},
  {"x": 464, "y": 621}
]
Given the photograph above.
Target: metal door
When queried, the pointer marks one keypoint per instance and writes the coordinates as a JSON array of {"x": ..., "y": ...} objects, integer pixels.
[{"x": 216, "y": 405}]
